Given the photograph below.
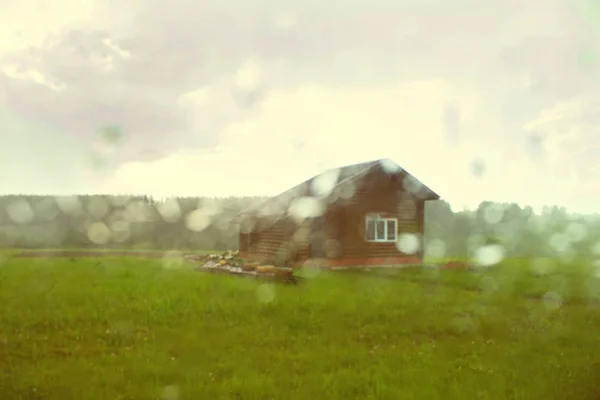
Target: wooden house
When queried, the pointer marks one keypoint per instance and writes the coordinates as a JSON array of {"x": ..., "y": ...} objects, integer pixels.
[{"x": 358, "y": 215}]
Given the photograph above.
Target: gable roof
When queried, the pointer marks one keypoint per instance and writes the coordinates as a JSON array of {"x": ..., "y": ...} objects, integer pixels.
[{"x": 339, "y": 180}]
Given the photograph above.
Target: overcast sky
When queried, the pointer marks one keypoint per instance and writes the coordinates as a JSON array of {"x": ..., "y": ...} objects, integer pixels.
[{"x": 496, "y": 99}]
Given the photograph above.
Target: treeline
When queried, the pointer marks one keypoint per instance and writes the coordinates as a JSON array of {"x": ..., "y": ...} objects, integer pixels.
[
  {"x": 139, "y": 222},
  {"x": 554, "y": 232},
  {"x": 142, "y": 222}
]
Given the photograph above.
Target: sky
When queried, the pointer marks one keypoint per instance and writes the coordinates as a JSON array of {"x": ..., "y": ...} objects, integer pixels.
[{"x": 481, "y": 100}]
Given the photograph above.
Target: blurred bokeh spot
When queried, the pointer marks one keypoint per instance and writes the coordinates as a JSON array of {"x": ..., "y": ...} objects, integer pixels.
[{"x": 111, "y": 134}]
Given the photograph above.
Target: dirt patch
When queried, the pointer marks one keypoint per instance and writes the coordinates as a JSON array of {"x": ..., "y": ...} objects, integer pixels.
[{"x": 88, "y": 253}]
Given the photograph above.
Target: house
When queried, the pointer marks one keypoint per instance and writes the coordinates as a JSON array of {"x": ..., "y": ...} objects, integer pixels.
[{"x": 358, "y": 215}]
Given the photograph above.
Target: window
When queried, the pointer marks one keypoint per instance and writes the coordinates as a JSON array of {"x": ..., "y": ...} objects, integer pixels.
[{"x": 380, "y": 229}]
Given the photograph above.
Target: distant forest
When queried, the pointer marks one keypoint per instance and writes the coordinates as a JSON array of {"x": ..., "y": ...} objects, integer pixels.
[{"x": 141, "y": 222}]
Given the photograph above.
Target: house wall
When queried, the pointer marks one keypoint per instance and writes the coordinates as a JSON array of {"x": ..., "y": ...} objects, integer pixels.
[
  {"x": 378, "y": 193},
  {"x": 281, "y": 243},
  {"x": 287, "y": 243},
  {"x": 244, "y": 242}
]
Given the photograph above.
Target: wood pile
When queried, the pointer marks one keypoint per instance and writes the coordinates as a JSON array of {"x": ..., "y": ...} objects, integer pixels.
[
  {"x": 231, "y": 263},
  {"x": 227, "y": 260}
]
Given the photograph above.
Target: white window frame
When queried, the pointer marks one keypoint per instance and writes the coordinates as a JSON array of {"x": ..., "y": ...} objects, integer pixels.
[{"x": 385, "y": 221}]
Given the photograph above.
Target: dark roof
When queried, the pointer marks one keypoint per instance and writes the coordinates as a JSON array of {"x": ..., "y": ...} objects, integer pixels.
[{"x": 280, "y": 204}]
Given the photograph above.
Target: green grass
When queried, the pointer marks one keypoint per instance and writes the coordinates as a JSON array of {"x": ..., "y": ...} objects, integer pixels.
[
  {"x": 107, "y": 250},
  {"x": 125, "y": 328},
  {"x": 573, "y": 282}
]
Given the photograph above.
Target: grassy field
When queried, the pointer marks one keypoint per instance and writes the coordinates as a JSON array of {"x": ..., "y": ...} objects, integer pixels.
[
  {"x": 102, "y": 250},
  {"x": 126, "y": 328}
]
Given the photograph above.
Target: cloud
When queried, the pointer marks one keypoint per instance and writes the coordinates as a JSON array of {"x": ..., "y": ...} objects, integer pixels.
[
  {"x": 134, "y": 69},
  {"x": 296, "y": 133},
  {"x": 210, "y": 84},
  {"x": 299, "y": 133}
]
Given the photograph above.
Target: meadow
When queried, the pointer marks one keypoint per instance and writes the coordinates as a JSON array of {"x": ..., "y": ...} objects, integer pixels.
[{"x": 131, "y": 328}]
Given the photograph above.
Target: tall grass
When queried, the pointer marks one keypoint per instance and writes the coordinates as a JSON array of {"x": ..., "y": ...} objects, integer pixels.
[{"x": 124, "y": 328}]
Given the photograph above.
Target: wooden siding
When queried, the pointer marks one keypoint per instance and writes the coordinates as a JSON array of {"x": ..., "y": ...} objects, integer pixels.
[
  {"x": 280, "y": 243},
  {"x": 376, "y": 193},
  {"x": 343, "y": 238},
  {"x": 421, "y": 227},
  {"x": 244, "y": 245}
]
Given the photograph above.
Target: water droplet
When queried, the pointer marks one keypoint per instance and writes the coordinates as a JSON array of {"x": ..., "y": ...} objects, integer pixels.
[
  {"x": 310, "y": 269},
  {"x": 98, "y": 233},
  {"x": 46, "y": 209},
  {"x": 138, "y": 211},
  {"x": 463, "y": 324},
  {"x": 111, "y": 134},
  {"x": 211, "y": 206},
  {"x": 332, "y": 248},
  {"x": 542, "y": 266},
  {"x": 20, "y": 212},
  {"x": 265, "y": 293},
  {"x": 436, "y": 248},
  {"x": 412, "y": 185},
  {"x": 474, "y": 242},
  {"x": 306, "y": 207},
  {"x": 324, "y": 183},
  {"x": 552, "y": 300},
  {"x": 246, "y": 225},
  {"x": 99, "y": 162},
  {"x": 170, "y": 392},
  {"x": 347, "y": 190},
  {"x": 478, "y": 167},
  {"x": 493, "y": 213},
  {"x": 97, "y": 207},
  {"x": 489, "y": 255},
  {"x": 173, "y": 259},
  {"x": 170, "y": 210},
  {"x": 70, "y": 205},
  {"x": 560, "y": 242},
  {"x": 119, "y": 201},
  {"x": 390, "y": 167},
  {"x": 576, "y": 231},
  {"x": 302, "y": 235},
  {"x": 198, "y": 220},
  {"x": 489, "y": 284},
  {"x": 121, "y": 231},
  {"x": 408, "y": 243},
  {"x": 223, "y": 225},
  {"x": 248, "y": 75},
  {"x": 534, "y": 144},
  {"x": 595, "y": 249}
]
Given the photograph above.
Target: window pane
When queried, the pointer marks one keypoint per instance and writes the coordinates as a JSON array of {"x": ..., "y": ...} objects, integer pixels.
[
  {"x": 380, "y": 230},
  {"x": 391, "y": 230},
  {"x": 370, "y": 234}
]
